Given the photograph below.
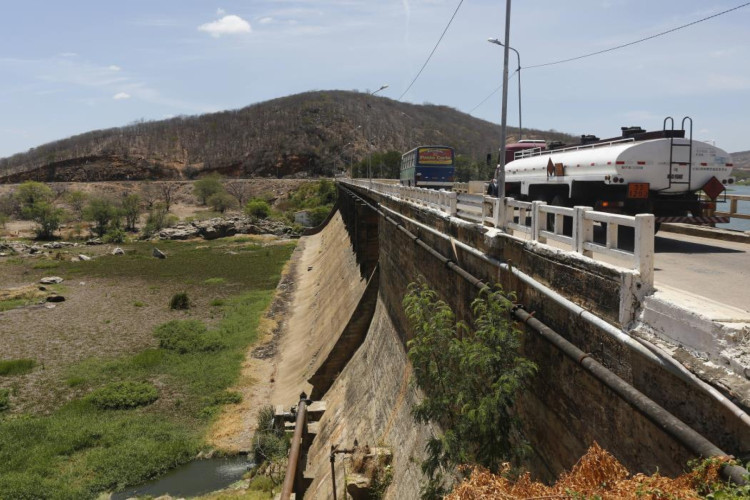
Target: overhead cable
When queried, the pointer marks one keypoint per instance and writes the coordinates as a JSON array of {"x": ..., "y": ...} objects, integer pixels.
[
  {"x": 618, "y": 47},
  {"x": 433, "y": 51}
]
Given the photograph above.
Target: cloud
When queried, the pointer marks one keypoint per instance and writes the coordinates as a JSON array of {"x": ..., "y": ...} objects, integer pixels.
[
  {"x": 227, "y": 25},
  {"x": 220, "y": 11},
  {"x": 114, "y": 67},
  {"x": 120, "y": 96},
  {"x": 265, "y": 20}
]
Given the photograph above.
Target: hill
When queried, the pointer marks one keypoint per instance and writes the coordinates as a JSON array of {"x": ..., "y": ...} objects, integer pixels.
[
  {"x": 741, "y": 159},
  {"x": 309, "y": 134}
]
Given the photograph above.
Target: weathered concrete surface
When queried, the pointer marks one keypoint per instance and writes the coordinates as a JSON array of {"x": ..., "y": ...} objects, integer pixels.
[
  {"x": 564, "y": 410},
  {"x": 329, "y": 285},
  {"x": 371, "y": 401}
]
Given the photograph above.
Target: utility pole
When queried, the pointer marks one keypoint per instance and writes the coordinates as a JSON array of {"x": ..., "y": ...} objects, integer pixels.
[{"x": 504, "y": 122}]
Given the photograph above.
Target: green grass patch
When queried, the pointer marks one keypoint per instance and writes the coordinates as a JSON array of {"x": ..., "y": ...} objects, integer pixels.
[
  {"x": 4, "y": 399},
  {"x": 16, "y": 366},
  {"x": 123, "y": 395},
  {"x": 7, "y": 305},
  {"x": 217, "y": 302},
  {"x": 81, "y": 450},
  {"x": 46, "y": 264},
  {"x": 138, "y": 303}
]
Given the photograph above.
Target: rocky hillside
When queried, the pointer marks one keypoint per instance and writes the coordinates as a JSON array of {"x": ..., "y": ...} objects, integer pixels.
[
  {"x": 741, "y": 159},
  {"x": 310, "y": 134}
]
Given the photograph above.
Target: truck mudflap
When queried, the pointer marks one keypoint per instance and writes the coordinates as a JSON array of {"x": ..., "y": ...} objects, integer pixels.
[{"x": 714, "y": 219}]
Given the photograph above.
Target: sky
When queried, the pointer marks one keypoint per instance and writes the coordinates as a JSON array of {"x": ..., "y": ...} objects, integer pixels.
[{"x": 73, "y": 66}]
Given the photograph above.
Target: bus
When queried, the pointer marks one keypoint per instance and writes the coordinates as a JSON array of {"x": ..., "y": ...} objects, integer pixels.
[{"x": 428, "y": 167}]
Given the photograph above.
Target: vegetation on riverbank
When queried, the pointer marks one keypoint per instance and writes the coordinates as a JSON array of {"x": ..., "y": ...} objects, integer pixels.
[{"x": 113, "y": 421}]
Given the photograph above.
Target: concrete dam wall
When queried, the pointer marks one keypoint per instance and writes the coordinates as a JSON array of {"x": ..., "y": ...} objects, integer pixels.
[{"x": 356, "y": 272}]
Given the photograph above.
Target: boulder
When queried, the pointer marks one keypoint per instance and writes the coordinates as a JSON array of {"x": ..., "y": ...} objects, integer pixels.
[
  {"x": 94, "y": 241},
  {"x": 55, "y": 298},
  {"x": 84, "y": 257},
  {"x": 118, "y": 251},
  {"x": 158, "y": 254},
  {"x": 51, "y": 280}
]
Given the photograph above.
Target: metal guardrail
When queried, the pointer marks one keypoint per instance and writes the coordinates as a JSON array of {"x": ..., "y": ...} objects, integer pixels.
[{"x": 540, "y": 221}]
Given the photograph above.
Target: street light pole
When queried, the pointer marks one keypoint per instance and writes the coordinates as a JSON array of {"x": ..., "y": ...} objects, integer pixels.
[
  {"x": 504, "y": 122},
  {"x": 369, "y": 134},
  {"x": 520, "y": 122}
]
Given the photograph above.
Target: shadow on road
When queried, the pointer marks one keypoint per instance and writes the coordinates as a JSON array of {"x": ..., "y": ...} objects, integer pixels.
[{"x": 669, "y": 245}]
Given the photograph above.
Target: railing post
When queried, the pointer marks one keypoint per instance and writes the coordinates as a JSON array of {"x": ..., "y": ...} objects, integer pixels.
[
  {"x": 583, "y": 230},
  {"x": 484, "y": 209},
  {"x": 507, "y": 213},
  {"x": 538, "y": 221},
  {"x": 452, "y": 204},
  {"x": 497, "y": 212},
  {"x": 643, "y": 247}
]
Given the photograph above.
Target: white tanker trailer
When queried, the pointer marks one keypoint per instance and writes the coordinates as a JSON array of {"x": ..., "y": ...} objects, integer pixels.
[{"x": 658, "y": 172}]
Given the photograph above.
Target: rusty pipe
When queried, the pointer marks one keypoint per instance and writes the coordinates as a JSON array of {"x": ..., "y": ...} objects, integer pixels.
[{"x": 294, "y": 451}]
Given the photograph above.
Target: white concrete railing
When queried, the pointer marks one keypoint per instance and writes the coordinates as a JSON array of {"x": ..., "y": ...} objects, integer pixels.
[
  {"x": 734, "y": 212},
  {"x": 532, "y": 219}
]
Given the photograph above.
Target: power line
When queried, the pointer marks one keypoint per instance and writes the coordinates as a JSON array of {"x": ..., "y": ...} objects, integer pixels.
[
  {"x": 638, "y": 41},
  {"x": 618, "y": 47},
  {"x": 433, "y": 50},
  {"x": 492, "y": 93}
]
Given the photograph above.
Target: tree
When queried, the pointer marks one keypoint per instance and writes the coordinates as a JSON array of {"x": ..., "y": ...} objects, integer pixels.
[
  {"x": 470, "y": 378},
  {"x": 167, "y": 191},
  {"x": 222, "y": 201},
  {"x": 31, "y": 192},
  {"x": 131, "y": 210},
  {"x": 47, "y": 218},
  {"x": 239, "y": 189},
  {"x": 204, "y": 188},
  {"x": 77, "y": 202},
  {"x": 102, "y": 213}
]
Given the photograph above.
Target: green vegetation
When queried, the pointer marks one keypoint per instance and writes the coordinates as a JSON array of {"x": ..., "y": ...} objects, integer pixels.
[
  {"x": 270, "y": 443},
  {"x": 215, "y": 281},
  {"x": 380, "y": 165},
  {"x": 103, "y": 213},
  {"x": 221, "y": 201},
  {"x": 257, "y": 208},
  {"x": 205, "y": 188},
  {"x": 11, "y": 367},
  {"x": 131, "y": 210},
  {"x": 7, "y": 305},
  {"x": 123, "y": 395},
  {"x": 85, "y": 447},
  {"x": 470, "y": 377},
  {"x": 4, "y": 399},
  {"x": 179, "y": 300},
  {"x": 187, "y": 336},
  {"x": 742, "y": 176}
]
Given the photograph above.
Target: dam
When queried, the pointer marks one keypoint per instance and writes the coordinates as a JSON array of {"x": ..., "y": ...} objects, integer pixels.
[{"x": 344, "y": 344}]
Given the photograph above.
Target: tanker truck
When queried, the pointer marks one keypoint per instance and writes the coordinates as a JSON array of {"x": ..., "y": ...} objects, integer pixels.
[{"x": 661, "y": 172}]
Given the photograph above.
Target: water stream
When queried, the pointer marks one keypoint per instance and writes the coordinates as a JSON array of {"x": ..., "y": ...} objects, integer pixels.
[{"x": 192, "y": 479}]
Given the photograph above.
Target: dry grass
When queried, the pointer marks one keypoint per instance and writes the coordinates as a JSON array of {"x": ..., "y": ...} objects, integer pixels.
[{"x": 597, "y": 475}]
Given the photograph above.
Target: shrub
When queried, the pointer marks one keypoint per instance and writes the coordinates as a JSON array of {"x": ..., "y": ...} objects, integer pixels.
[
  {"x": 187, "y": 336},
  {"x": 257, "y": 208},
  {"x": 114, "y": 235},
  {"x": 124, "y": 395},
  {"x": 4, "y": 399},
  {"x": 261, "y": 483},
  {"x": 222, "y": 201},
  {"x": 179, "y": 300},
  {"x": 16, "y": 366},
  {"x": 470, "y": 377},
  {"x": 206, "y": 187},
  {"x": 269, "y": 443}
]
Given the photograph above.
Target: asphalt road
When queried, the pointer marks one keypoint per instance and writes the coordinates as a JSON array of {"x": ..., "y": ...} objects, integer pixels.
[{"x": 703, "y": 267}]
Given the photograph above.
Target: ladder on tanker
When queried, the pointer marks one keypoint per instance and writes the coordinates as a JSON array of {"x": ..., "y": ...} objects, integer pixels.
[{"x": 675, "y": 149}]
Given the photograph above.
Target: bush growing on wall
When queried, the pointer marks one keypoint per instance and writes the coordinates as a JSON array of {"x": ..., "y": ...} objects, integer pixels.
[{"x": 470, "y": 377}]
